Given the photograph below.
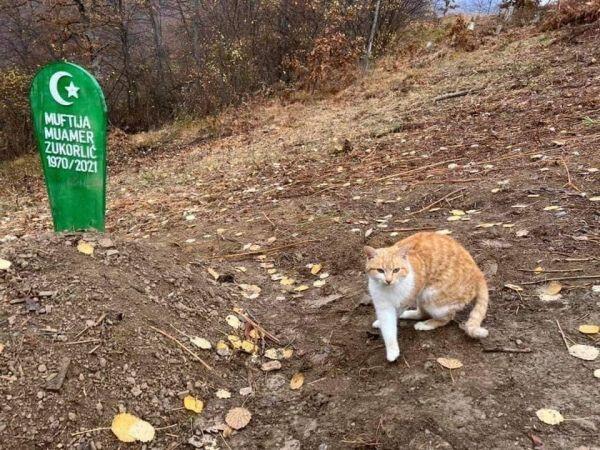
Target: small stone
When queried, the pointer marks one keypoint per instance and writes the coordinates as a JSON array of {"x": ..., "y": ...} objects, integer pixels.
[
  {"x": 136, "y": 391},
  {"x": 519, "y": 342},
  {"x": 72, "y": 416},
  {"x": 102, "y": 362},
  {"x": 270, "y": 366},
  {"x": 40, "y": 395},
  {"x": 42, "y": 368}
]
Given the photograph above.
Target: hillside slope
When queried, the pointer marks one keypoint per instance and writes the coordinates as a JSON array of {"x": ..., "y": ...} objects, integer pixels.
[{"x": 290, "y": 184}]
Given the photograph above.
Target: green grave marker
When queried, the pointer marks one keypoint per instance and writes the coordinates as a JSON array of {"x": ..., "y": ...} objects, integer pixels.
[{"x": 69, "y": 120}]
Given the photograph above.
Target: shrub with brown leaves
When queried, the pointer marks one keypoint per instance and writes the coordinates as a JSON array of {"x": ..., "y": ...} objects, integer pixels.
[{"x": 572, "y": 12}]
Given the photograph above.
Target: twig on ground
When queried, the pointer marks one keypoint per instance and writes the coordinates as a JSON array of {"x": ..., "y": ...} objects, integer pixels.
[
  {"x": 258, "y": 327},
  {"x": 402, "y": 230},
  {"x": 507, "y": 350},
  {"x": 569, "y": 180},
  {"x": 562, "y": 334},
  {"x": 550, "y": 271},
  {"x": 417, "y": 169},
  {"x": 454, "y": 94},
  {"x": 437, "y": 201},
  {"x": 196, "y": 357},
  {"x": 90, "y": 431},
  {"x": 583, "y": 277},
  {"x": 86, "y": 341},
  {"x": 263, "y": 252},
  {"x": 95, "y": 324}
]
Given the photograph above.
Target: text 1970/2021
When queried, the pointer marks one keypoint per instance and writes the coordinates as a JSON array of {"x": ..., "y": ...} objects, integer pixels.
[{"x": 79, "y": 165}]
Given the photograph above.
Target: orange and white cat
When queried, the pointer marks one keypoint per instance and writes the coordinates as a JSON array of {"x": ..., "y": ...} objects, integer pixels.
[{"x": 431, "y": 274}]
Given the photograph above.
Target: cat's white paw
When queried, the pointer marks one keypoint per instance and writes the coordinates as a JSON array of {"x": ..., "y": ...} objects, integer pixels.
[
  {"x": 392, "y": 354},
  {"x": 424, "y": 326},
  {"x": 375, "y": 324},
  {"x": 411, "y": 314}
]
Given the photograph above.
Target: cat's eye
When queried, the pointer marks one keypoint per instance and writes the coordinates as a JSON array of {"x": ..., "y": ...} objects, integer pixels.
[
  {"x": 380, "y": 270},
  {"x": 396, "y": 270}
]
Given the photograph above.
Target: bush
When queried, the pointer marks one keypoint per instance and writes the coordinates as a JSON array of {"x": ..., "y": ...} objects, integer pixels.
[
  {"x": 572, "y": 12},
  {"x": 15, "y": 127}
]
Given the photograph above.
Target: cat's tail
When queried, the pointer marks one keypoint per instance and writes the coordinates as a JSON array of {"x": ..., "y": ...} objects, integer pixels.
[{"x": 473, "y": 325}]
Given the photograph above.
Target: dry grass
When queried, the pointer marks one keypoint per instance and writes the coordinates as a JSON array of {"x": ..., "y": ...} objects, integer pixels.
[{"x": 573, "y": 12}]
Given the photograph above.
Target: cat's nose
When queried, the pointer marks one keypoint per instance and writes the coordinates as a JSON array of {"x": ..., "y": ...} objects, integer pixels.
[{"x": 388, "y": 281}]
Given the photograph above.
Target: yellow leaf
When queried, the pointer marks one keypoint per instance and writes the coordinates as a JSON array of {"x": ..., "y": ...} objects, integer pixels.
[
  {"x": 4, "y": 264},
  {"x": 586, "y": 329},
  {"x": 274, "y": 353},
  {"x": 552, "y": 288},
  {"x": 223, "y": 349},
  {"x": 301, "y": 288},
  {"x": 450, "y": 363},
  {"x": 514, "y": 287},
  {"x": 549, "y": 416},
  {"x": 202, "y": 343},
  {"x": 249, "y": 347},
  {"x": 552, "y": 208},
  {"x": 238, "y": 418},
  {"x": 457, "y": 212},
  {"x": 233, "y": 321},
  {"x": 287, "y": 353},
  {"x": 213, "y": 272},
  {"x": 287, "y": 281},
  {"x": 538, "y": 269},
  {"x": 129, "y": 428},
  {"x": 297, "y": 381},
  {"x": 235, "y": 341},
  {"x": 315, "y": 269},
  {"x": 193, "y": 404},
  {"x": 223, "y": 393},
  {"x": 85, "y": 248},
  {"x": 485, "y": 225},
  {"x": 585, "y": 352},
  {"x": 319, "y": 283}
]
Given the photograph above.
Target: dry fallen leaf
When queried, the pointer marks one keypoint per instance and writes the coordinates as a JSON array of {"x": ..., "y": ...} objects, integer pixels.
[
  {"x": 235, "y": 341},
  {"x": 301, "y": 288},
  {"x": 274, "y": 353},
  {"x": 514, "y": 287},
  {"x": 589, "y": 329},
  {"x": 202, "y": 343},
  {"x": 595, "y": 199},
  {"x": 297, "y": 381},
  {"x": 457, "y": 212},
  {"x": 287, "y": 353},
  {"x": 213, "y": 273},
  {"x": 193, "y": 404},
  {"x": 449, "y": 363},
  {"x": 233, "y": 321},
  {"x": 315, "y": 269},
  {"x": 238, "y": 418},
  {"x": 549, "y": 297},
  {"x": 85, "y": 247},
  {"x": 286, "y": 281},
  {"x": 249, "y": 347},
  {"x": 549, "y": 416},
  {"x": 129, "y": 428},
  {"x": 5, "y": 264},
  {"x": 552, "y": 208},
  {"x": 223, "y": 393},
  {"x": 453, "y": 218},
  {"x": 250, "y": 291},
  {"x": 551, "y": 288},
  {"x": 444, "y": 231},
  {"x": 319, "y": 283},
  {"x": 586, "y": 352},
  {"x": 223, "y": 349},
  {"x": 270, "y": 366}
]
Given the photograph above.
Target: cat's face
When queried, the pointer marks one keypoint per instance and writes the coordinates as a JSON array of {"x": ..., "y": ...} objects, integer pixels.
[{"x": 387, "y": 265}]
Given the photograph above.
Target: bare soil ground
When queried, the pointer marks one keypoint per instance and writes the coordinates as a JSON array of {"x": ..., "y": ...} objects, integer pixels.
[{"x": 311, "y": 182}]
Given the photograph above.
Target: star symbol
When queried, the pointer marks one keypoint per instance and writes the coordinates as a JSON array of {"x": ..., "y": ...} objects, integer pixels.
[{"x": 72, "y": 90}]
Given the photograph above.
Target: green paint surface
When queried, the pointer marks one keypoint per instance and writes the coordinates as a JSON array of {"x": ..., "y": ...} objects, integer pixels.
[{"x": 69, "y": 118}]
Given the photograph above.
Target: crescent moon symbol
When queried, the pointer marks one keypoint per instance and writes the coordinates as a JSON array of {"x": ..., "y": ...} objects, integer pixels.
[{"x": 53, "y": 85}]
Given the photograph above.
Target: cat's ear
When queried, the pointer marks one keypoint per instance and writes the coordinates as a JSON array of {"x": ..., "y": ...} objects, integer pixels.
[
  {"x": 370, "y": 252},
  {"x": 402, "y": 252}
]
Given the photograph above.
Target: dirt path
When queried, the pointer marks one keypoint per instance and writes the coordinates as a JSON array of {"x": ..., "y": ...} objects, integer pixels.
[{"x": 303, "y": 184}]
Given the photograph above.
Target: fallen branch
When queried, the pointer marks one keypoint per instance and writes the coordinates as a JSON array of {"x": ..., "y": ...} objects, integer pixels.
[
  {"x": 90, "y": 431},
  {"x": 263, "y": 252},
  {"x": 437, "y": 201},
  {"x": 550, "y": 271},
  {"x": 95, "y": 324},
  {"x": 456, "y": 94},
  {"x": 507, "y": 350},
  {"x": 417, "y": 169},
  {"x": 196, "y": 357},
  {"x": 583, "y": 277}
]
